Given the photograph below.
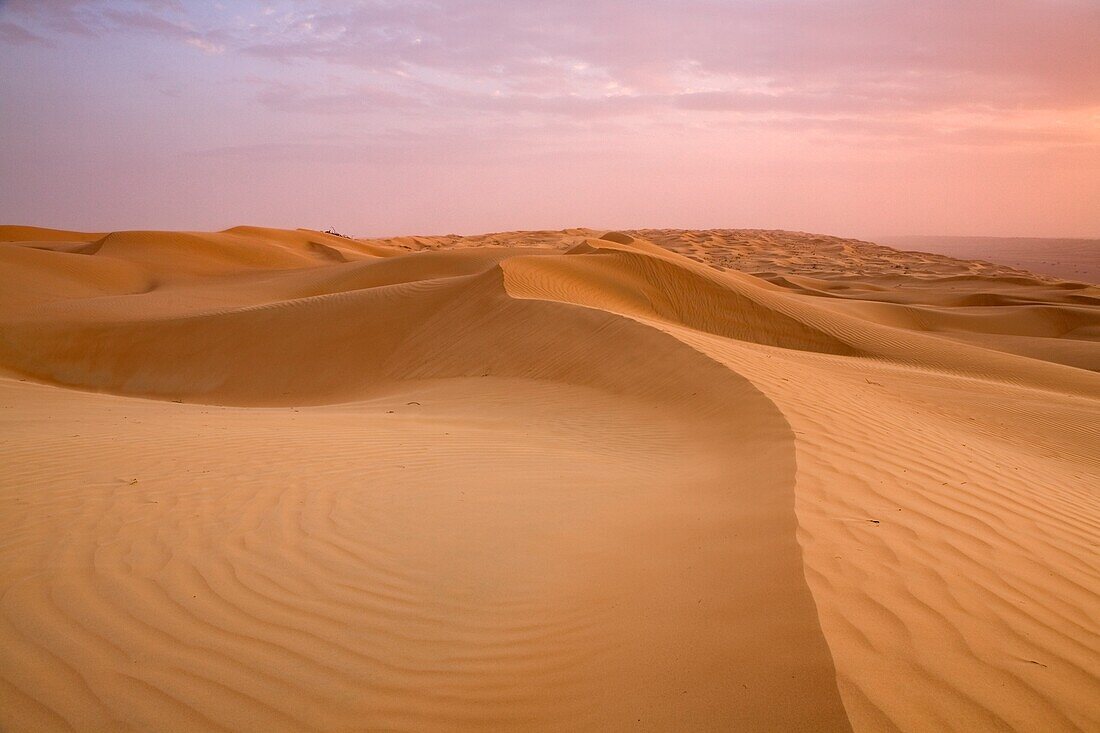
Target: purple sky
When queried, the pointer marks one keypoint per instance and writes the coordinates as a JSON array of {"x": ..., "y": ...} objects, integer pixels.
[{"x": 851, "y": 117}]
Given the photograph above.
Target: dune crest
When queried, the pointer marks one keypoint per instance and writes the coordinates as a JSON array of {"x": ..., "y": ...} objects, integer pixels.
[{"x": 286, "y": 480}]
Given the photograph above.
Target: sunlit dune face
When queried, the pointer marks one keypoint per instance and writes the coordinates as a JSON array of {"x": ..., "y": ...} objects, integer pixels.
[{"x": 855, "y": 117}]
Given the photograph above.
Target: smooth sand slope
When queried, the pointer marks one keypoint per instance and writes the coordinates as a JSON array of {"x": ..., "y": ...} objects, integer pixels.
[{"x": 264, "y": 480}]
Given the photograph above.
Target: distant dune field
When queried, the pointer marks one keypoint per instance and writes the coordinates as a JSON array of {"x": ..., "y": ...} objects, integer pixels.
[
  {"x": 1069, "y": 259},
  {"x": 265, "y": 480}
]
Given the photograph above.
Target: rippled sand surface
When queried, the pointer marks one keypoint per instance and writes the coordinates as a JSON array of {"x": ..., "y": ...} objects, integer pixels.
[{"x": 263, "y": 480}]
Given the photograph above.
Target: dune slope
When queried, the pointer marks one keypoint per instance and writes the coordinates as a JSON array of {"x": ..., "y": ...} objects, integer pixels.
[{"x": 272, "y": 480}]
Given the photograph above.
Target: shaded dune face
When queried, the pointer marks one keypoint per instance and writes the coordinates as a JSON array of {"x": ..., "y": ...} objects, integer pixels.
[
  {"x": 501, "y": 512},
  {"x": 726, "y": 480},
  {"x": 338, "y": 333}
]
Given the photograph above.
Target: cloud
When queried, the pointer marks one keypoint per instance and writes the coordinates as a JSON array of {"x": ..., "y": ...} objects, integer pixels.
[
  {"x": 1034, "y": 53},
  {"x": 19, "y": 36},
  {"x": 204, "y": 45},
  {"x": 57, "y": 16},
  {"x": 884, "y": 71},
  {"x": 586, "y": 57},
  {"x": 96, "y": 18}
]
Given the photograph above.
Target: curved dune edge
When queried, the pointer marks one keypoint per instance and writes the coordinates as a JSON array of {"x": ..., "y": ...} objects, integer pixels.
[
  {"x": 509, "y": 521},
  {"x": 939, "y": 456}
]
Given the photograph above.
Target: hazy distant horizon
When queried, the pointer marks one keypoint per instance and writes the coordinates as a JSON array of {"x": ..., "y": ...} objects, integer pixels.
[
  {"x": 1069, "y": 258},
  {"x": 380, "y": 234}
]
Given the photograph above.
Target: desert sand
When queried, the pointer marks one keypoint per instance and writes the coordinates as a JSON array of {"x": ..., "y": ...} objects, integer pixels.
[
  {"x": 1069, "y": 259},
  {"x": 264, "y": 480}
]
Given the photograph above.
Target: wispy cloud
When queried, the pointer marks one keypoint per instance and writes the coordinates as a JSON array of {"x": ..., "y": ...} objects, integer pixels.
[
  {"x": 20, "y": 36},
  {"x": 412, "y": 82},
  {"x": 698, "y": 53}
]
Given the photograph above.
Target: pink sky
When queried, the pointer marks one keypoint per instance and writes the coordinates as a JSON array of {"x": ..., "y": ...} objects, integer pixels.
[{"x": 851, "y": 117}]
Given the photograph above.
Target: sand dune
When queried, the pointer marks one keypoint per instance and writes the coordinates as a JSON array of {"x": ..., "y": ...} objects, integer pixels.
[
  {"x": 1070, "y": 259},
  {"x": 267, "y": 480}
]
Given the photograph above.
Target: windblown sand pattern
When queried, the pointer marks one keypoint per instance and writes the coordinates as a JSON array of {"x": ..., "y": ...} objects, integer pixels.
[{"x": 265, "y": 480}]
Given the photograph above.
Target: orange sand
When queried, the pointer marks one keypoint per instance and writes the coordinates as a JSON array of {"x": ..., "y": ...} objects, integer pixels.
[{"x": 265, "y": 480}]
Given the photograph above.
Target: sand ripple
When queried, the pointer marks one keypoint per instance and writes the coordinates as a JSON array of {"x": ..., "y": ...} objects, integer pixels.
[{"x": 260, "y": 480}]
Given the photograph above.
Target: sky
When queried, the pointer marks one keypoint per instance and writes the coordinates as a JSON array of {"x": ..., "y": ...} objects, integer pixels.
[{"x": 383, "y": 117}]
